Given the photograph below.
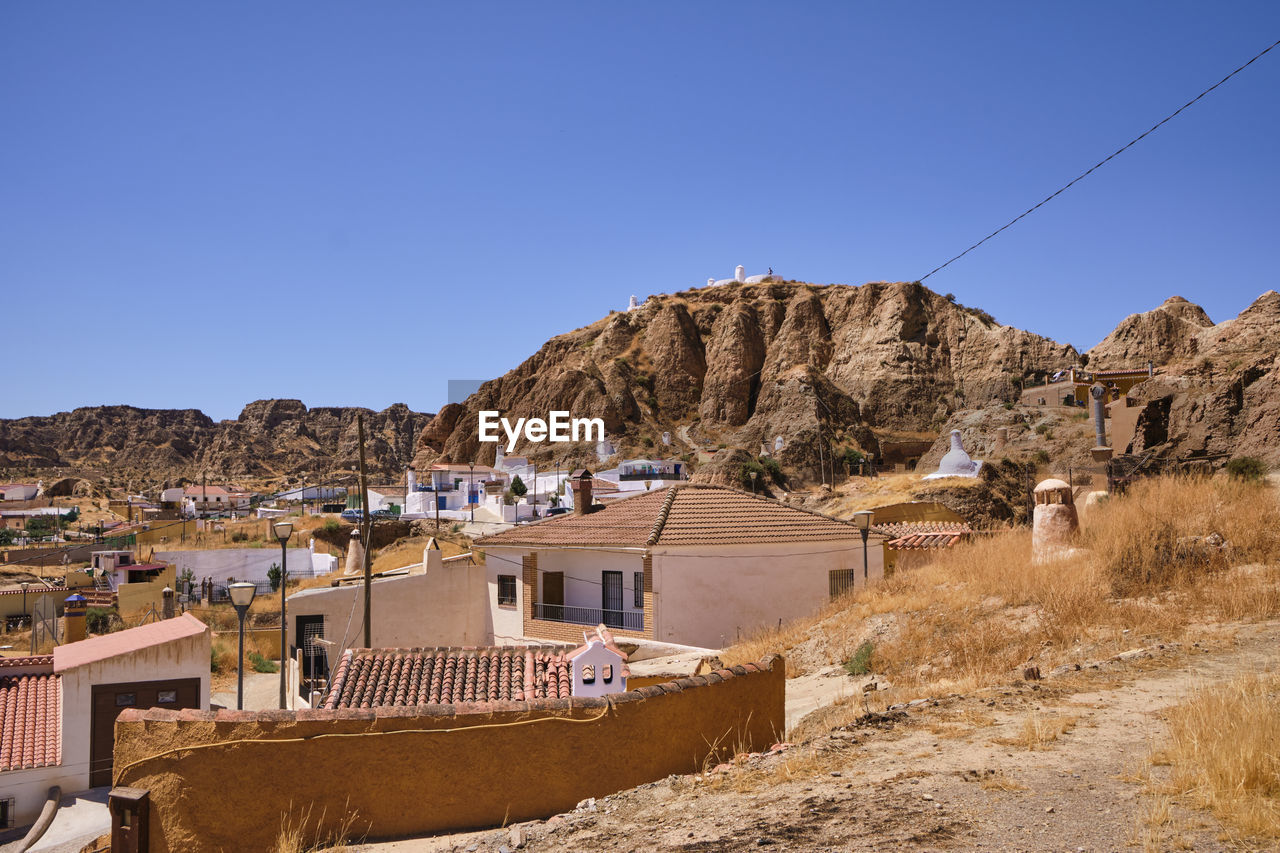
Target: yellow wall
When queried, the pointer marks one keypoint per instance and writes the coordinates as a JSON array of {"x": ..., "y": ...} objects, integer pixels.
[{"x": 503, "y": 762}]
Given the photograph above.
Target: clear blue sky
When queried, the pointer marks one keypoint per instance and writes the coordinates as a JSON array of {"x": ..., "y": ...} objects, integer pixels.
[{"x": 200, "y": 207}]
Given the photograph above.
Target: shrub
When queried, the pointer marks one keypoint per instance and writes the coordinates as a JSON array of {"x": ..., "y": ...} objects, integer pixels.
[
  {"x": 331, "y": 526},
  {"x": 647, "y": 441},
  {"x": 773, "y": 469},
  {"x": 261, "y": 664},
  {"x": 239, "y": 536},
  {"x": 518, "y": 488},
  {"x": 1042, "y": 456},
  {"x": 852, "y": 458},
  {"x": 273, "y": 575},
  {"x": 860, "y": 662},
  {"x": 1008, "y": 406},
  {"x": 1247, "y": 468},
  {"x": 101, "y": 620}
]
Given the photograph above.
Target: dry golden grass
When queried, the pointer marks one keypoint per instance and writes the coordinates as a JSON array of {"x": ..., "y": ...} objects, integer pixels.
[
  {"x": 1001, "y": 782},
  {"x": 1224, "y": 752},
  {"x": 1038, "y": 731},
  {"x": 406, "y": 552},
  {"x": 298, "y": 836},
  {"x": 980, "y": 612}
]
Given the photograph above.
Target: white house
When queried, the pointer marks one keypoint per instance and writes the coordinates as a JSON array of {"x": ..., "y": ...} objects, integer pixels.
[
  {"x": 19, "y": 491},
  {"x": 202, "y": 501},
  {"x": 58, "y": 711},
  {"x": 694, "y": 564},
  {"x": 447, "y": 487}
]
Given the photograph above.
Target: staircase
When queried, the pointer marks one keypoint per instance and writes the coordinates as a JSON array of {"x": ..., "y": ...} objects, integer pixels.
[{"x": 101, "y": 595}]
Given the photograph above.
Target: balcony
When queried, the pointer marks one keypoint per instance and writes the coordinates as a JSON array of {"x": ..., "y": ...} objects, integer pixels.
[
  {"x": 651, "y": 475},
  {"x": 629, "y": 620}
]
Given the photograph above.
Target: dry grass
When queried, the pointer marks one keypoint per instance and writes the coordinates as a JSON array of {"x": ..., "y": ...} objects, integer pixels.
[
  {"x": 981, "y": 612},
  {"x": 1000, "y": 782},
  {"x": 1038, "y": 731},
  {"x": 1224, "y": 752},
  {"x": 406, "y": 552},
  {"x": 297, "y": 835}
]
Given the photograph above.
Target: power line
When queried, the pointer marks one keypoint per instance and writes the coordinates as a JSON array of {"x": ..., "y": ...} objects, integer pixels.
[{"x": 1103, "y": 161}]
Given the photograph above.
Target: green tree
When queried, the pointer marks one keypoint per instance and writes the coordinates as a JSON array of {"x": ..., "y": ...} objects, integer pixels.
[
  {"x": 273, "y": 575},
  {"x": 518, "y": 488},
  {"x": 7, "y": 535}
]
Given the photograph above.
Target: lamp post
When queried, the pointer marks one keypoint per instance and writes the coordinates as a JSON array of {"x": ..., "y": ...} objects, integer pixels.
[
  {"x": 863, "y": 520},
  {"x": 25, "y": 614},
  {"x": 471, "y": 490},
  {"x": 753, "y": 474},
  {"x": 283, "y": 530},
  {"x": 241, "y": 597}
]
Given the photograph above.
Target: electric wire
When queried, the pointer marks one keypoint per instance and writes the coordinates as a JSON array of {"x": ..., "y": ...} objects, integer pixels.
[{"x": 1102, "y": 162}]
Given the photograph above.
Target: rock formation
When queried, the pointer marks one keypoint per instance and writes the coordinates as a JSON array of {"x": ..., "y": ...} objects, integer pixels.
[
  {"x": 1161, "y": 335},
  {"x": 270, "y": 438}
]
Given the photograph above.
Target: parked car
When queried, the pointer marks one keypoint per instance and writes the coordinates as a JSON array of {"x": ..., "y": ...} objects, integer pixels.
[
  {"x": 384, "y": 514},
  {"x": 557, "y": 510},
  {"x": 352, "y": 515}
]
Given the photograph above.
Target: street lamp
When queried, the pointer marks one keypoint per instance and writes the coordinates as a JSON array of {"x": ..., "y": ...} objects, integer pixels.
[
  {"x": 471, "y": 490},
  {"x": 753, "y": 474},
  {"x": 25, "y": 614},
  {"x": 863, "y": 520},
  {"x": 283, "y": 529},
  {"x": 241, "y": 597}
]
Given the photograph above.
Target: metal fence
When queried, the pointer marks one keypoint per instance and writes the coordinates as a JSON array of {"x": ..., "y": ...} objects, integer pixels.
[{"x": 627, "y": 619}]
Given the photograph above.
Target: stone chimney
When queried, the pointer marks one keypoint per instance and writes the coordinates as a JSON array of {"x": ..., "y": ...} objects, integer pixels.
[
  {"x": 410, "y": 479},
  {"x": 167, "y": 608},
  {"x": 74, "y": 609},
  {"x": 580, "y": 481},
  {"x": 355, "y": 554}
]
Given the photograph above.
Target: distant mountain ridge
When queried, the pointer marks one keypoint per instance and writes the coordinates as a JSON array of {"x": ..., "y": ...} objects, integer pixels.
[{"x": 270, "y": 438}]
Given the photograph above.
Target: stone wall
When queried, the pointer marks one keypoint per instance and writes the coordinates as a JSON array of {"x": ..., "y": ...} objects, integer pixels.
[{"x": 227, "y": 780}]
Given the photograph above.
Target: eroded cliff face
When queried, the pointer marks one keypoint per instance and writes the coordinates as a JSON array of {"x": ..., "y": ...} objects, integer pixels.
[
  {"x": 1164, "y": 334},
  {"x": 741, "y": 364},
  {"x": 1223, "y": 397},
  {"x": 270, "y": 438}
]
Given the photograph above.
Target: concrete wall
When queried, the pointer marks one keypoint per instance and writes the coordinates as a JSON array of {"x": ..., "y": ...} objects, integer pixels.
[
  {"x": 243, "y": 564},
  {"x": 183, "y": 658},
  {"x": 30, "y": 788},
  {"x": 710, "y": 596},
  {"x": 11, "y": 602},
  {"x": 531, "y": 760},
  {"x": 442, "y": 606}
]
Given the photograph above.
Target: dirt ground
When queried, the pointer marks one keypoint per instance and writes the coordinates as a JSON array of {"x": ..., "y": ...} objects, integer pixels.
[{"x": 1054, "y": 765}]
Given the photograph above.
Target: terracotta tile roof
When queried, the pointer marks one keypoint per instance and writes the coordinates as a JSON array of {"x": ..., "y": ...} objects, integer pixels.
[
  {"x": 920, "y": 535},
  {"x": 682, "y": 514},
  {"x": 30, "y": 721},
  {"x": 375, "y": 678},
  {"x": 123, "y": 642},
  {"x": 197, "y": 491},
  {"x": 27, "y": 660}
]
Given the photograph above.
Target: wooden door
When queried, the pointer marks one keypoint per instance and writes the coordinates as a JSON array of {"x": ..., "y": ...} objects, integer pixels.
[
  {"x": 110, "y": 699},
  {"x": 553, "y": 594}
]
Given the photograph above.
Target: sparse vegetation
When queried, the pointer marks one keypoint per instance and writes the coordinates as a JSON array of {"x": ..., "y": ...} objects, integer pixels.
[
  {"x": 1224, "y": 750},
  {"x": 860, "y": 662},
  {"x": 273, "y": 575},
  {"x": 102, "y": 620},
  {"x": 260, "y": 663},
  {"x": 979, "y": 612}
]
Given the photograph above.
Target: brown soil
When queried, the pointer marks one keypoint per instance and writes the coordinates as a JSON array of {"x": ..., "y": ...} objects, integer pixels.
[{"x": 956, "y": 773}]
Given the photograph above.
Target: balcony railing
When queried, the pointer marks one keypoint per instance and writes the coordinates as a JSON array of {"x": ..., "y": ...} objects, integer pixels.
[
  {"x": 427, "y": 487},
  {"x": 650, "y": 475},
  {"x": 627, "y": 619}
]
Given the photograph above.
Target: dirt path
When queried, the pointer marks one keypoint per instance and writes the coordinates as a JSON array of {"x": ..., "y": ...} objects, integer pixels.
[{"x": 955, "y": 774}]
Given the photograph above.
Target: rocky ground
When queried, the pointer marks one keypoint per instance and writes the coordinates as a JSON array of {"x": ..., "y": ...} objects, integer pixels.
[{"x": 1058, "y": 764}]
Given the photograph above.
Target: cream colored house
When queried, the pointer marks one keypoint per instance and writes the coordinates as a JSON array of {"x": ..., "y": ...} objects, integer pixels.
[
  {"x": 692, "y": 564},
  {"x": 58, "y": 711}
]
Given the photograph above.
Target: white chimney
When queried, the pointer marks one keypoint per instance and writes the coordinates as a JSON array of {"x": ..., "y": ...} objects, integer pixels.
[{"x": 740, "y": 273}]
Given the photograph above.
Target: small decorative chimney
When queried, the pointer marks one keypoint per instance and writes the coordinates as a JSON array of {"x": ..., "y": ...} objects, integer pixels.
[
  {"x": 167, "y": 608},
  {"x": 580, "y": 481},
  {"x": 355, "y": 554},
  {"x": 411, "y": 479}
]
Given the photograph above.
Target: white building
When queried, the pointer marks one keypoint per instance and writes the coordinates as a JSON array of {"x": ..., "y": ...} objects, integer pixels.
[
  {"x": 59, "y": 710},
  {"x": 203, "y": 501},
  {"x": 448, "y": 488},
  {"x": 693, "y": 564},
  {"x": 19, "y": 491}
]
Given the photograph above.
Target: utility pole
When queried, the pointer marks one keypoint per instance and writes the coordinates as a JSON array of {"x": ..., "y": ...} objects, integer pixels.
[{"x": 367, "y": 523}]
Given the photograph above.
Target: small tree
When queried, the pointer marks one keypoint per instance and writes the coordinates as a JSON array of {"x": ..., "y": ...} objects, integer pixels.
[
  {"x": 273, "y": 575},
  {"x": 518, "y": 488},
  {"x": 7, "y": 535}
]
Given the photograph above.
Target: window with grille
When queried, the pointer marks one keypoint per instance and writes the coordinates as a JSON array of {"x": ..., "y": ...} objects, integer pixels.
[
  {"x": 507, "y": 589},
  {"x": 842, "y": 580},
  {"x": 639, "y": 599}
]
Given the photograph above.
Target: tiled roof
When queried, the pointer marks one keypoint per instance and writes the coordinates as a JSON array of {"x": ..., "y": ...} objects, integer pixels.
[
  {"x": 683, "y": 514},
  {"x": 26, "y": 660},
  {"x": 123, "y": 642},
  {"x": 374, "y": 678},
  {"x": 919, "y": 535},
  {"x": 197, "y": 491},
  {"x": 30, "y": 725},
  {"x": 377, "y": 678}
]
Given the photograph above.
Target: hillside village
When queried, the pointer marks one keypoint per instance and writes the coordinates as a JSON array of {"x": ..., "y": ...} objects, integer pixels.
[{"x": 860, "y": 553}]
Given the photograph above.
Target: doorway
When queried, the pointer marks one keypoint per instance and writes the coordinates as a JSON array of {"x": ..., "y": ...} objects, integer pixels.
[{"x": 110, "y": 699}]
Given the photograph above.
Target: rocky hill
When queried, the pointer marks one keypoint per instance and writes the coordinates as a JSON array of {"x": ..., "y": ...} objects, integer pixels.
[
  {"x": 270, "y": 439},
  {"x": 1162, "y": 335},
  {"x": 1223, "y": 395}
]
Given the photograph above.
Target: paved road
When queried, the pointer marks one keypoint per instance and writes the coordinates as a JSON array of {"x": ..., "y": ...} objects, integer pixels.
[{"x": 261, "y": 693}]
